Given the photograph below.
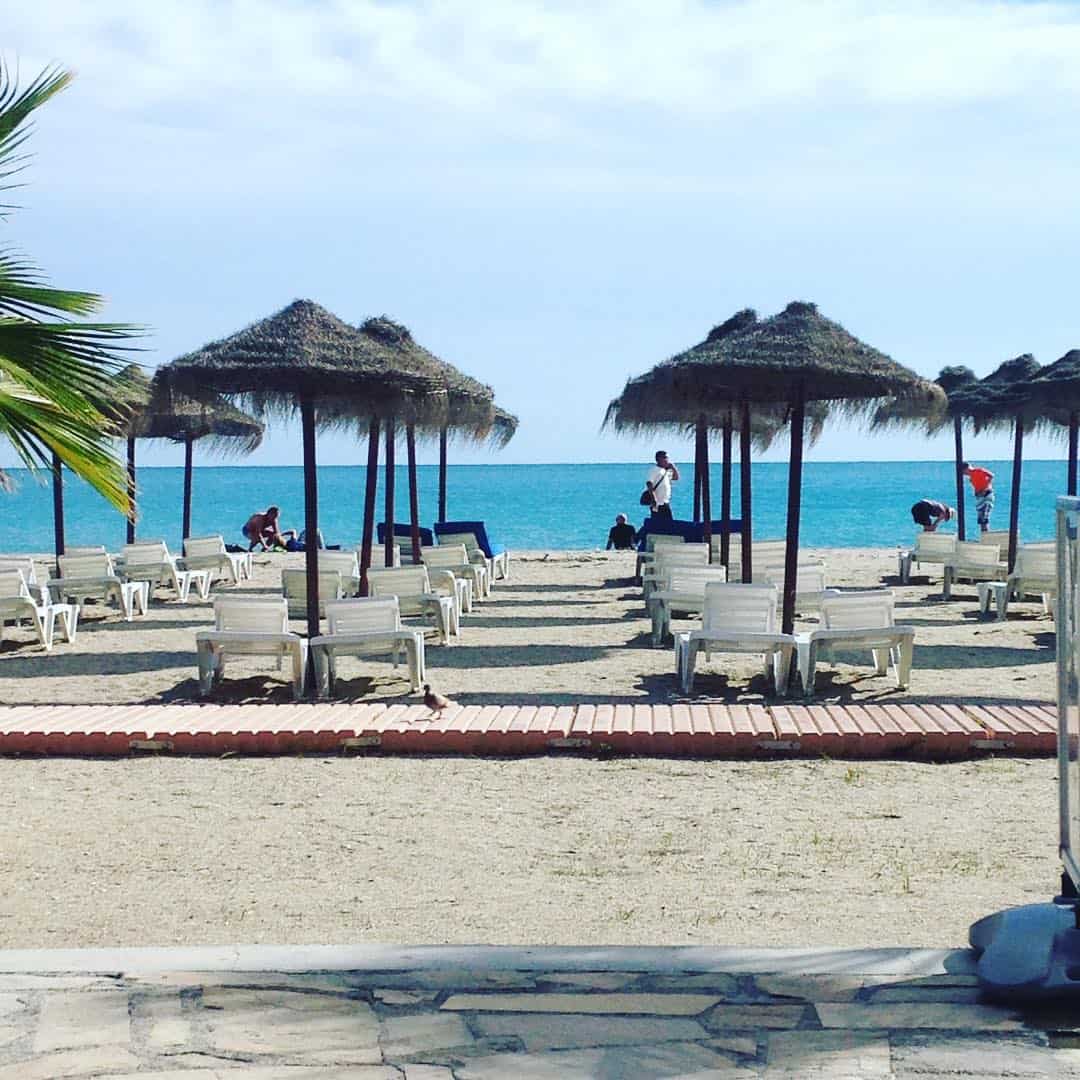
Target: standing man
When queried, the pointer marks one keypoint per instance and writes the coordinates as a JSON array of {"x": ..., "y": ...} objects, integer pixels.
[
  {"x": 982, "y": 483},
  {"x": 661, "y": 476}
]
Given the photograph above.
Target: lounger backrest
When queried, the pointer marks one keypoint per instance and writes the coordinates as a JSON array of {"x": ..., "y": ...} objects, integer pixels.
[
  {"x": 995, "y": 536},
  {"x": 445, "y": 555},
  {"x": 78, "y": 566},
  {"x": 731, "y": 608},
  {"x": 252, "y": 614},
  {"x": 932, "y": 545},
  {"x": 345, "y": 563},
  {"x": 1036, "y": 562},
  {"x": 13, "y": 584},
  {"x": 466, "y": 539},
  {"x": 23, "y": 565},
  {"x": 656, "y": 540},
  {"x": 363, "y": 616},
  {"x": 199, "y": 547},
  {"x": 399, "y": 581},
  {"x": 145, "y": 554},
  {"x": 810, "y": 576},
  {"x": 869, "y": 609},
  {"x": 294, "y": 586},
  {"x": 682, "y": 555},
  {"x": 691, "y": 580},
  {"x": 89, "y": 549},
  {"x": 976, "y": 554}
]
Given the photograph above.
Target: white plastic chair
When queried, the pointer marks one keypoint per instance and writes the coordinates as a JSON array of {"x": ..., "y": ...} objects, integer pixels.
[
  {"x": 294, "y": 589},
  {"x": 973, "y": 561},
  {"x": 249, "y": 626},
  {"x": 680, "y": 591},
  {"x": 863, "y": 619},
  {"x": 17, "y": 604},
  {"x": 347, "y": 564},
  {"x": 455, "y": 559},
  {"x": 93, "y": 577},
  {"x": 738, "y": 619},
  {"x": 366, "y": 627},
  {"x": 208, "y": 553},
  {"x": 930, "y": 548},
  {"x": 412, "y": 587},
  {"x": 1035, "y": 574}
]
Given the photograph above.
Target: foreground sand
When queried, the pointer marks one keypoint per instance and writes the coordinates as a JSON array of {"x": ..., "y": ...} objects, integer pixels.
[
  {"x": 567, "y": 627},
  {"x": 540, "y": 850}
]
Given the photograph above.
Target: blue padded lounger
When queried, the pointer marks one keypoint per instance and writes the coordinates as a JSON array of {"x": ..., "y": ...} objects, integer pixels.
[{"x": 496, "y": 555}]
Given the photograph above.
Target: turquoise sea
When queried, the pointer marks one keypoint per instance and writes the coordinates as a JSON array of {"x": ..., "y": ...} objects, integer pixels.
[{"x": 845, "y": 504}]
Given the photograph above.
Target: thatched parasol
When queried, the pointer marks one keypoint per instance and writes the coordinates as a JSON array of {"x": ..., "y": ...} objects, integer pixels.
[
  {"x": 185, "y": 420},
  {"x": 1003, "y": 400},
  {"x": 791, "y": 358},
  {"x": 1058, "y": 385},
  {"x": 305, "y": 359},
  {"x": 131, "y": 393},
  {"x": 932, "y": 416}
]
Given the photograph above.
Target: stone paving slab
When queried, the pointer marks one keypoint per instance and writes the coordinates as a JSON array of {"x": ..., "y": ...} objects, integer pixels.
[
  {"x": 456, "y": 1013},
  {"x": 927, "y": 731}
]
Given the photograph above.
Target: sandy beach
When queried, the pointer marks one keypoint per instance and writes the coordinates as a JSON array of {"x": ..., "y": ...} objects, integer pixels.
[{"x": 567, "y": 627}]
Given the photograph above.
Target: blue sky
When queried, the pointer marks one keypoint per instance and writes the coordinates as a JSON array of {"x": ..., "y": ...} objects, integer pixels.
[{"x": 556, "y": 196}]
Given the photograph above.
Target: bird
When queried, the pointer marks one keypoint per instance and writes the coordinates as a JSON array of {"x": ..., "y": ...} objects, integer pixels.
[{"x": 435, "y": 702}]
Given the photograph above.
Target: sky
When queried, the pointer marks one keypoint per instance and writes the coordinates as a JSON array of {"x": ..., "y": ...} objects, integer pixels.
[{"x": 555, "y": 196}]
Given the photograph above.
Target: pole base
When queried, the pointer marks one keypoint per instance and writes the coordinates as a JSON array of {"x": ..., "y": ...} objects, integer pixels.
[{"x": 1029, "y": 953}]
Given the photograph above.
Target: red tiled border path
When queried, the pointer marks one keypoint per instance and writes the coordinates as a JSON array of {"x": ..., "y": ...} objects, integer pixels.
[{"x": 706, "y": 730}]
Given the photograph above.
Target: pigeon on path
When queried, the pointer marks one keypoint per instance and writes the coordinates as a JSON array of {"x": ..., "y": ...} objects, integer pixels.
[{"x": 435, "y": 702}]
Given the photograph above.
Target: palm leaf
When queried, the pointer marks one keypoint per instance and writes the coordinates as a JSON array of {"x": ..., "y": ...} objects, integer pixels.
[{"x": 23, "y": 292}]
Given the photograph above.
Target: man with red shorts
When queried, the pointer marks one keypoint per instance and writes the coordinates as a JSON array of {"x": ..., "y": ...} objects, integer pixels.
[{"x": 982, "y": 483}]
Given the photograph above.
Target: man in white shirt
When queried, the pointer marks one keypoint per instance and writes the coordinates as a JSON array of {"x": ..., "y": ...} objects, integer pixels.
[{"x": 661, "y": 476}]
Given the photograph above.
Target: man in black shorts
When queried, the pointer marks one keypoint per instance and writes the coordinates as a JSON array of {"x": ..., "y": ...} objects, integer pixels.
[{"x": 930, "y": 514}]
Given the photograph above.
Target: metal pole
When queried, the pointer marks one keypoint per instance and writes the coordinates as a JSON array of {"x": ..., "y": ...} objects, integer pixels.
[
  {"x": 744, "y": 492},
  {"x": 131, "y": 490},
  {"x": 311, "y": 523},
  {"x": 388, "y": 542},
  {"x": 725, "y": 490},
  {"x": 371, "y": 478},
  {"x": 706, "y": 501},
  {"x": 958, "y": 438},
  {"x": 1074, "y": 425},
  {"x": 414, "y": 500},
  {"x": 185, "y": 529},
  {"x": 58, "y": 507},
  {"x": 1014, "y": 499},
  {"x": 794, "y": 505},
  {"x": 442, "y": 474}
]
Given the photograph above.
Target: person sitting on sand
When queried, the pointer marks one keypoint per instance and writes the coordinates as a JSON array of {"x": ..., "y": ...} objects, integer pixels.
[
  {"x": 930, "y": 514},
  {"x": 621, "y": 536},
  {"x": 262, "y": 529}
]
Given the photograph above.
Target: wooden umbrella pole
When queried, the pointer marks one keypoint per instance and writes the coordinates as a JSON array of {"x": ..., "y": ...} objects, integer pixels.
[
  {"x": 414, "y": 497},
  {"x": 794, "y": 505},
  {"x": 371, "y": 478},
  {"x": 388, "y": 543},
  {"x": 697, "y": 472},
  {"x": 442, "y": 474},
  {"x": 1014, "y": 499},
  {"x": 311, "y": 526},
  {"x": 131, "y": 490},
  {"x": 706, "y": 500},
  {"x": 744, "y": 492},
  {"x": 725, "y": 491},
  {"x": 958, "y": 438},
  {"x": 1074, "y": 428},
  {"x": 58, "y": 507},
  {"x": 185, "y": 528}
]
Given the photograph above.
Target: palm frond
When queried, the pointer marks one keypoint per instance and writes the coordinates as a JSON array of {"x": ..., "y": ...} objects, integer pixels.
[
  {"x": 15, "y": 109},
  {"x": 24, "y": 293}
]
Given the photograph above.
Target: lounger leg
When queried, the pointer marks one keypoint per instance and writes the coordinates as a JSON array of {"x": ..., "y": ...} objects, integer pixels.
[
  {"x": 43, "y": 627},
  {"x": 946, "y": 588},
  {"x": 322, "y": 671},
  {"x": 905, "y": 567},
  {"x": 783, "y": 672},
  {"x": 689, "y": 662},
  {"x": 881, "y": 661},
  {"x": 907, "y": 653},
  {"x": 421, "y": 661},
  {"x": 808, "y": 667},
  {"x": 206, "y": 667},
  {"x": 657, "y": 615},
  {"x": 298, "y": 665}
]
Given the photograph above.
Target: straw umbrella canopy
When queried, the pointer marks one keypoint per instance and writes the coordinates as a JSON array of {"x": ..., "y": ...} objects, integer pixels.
[
  {"x": 185, "y": 420},
  {"x": 304, "y": 359},
  {"x": 1004, "y": 400},
  {"x": 1058, "y": 385},
  {"x": 932, "y": 416},
  {"x": 792, "y": 358}
]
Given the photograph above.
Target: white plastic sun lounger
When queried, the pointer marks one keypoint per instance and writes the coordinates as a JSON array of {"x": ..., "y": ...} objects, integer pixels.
[
  {"x": 863, "y": 620},
  {"x": 498, "y": 566},
  {"x": 412, "y": 587},
  {"x": 930, "y": 548},
  {"x": 809, "y": 583},
  {"x": 152, "y": 563},
  {"x": 738, "y": 619},
  {"x": 680, "y": 591},
  {"x": 1035, "y": 574},
  {"x": 17, "y": 604},
  {"x": 455, "y": 559},
  {"x": 208, "y": 553},
  {"x": 366, "y": 627},
  {"x": 92, "y": 577},
  {"x": 294, "y": 589},
  {"x": 249, "y": 626}
]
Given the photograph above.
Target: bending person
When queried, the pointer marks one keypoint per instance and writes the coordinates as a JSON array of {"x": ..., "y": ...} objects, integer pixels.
[{"x": 930, "y": 514}]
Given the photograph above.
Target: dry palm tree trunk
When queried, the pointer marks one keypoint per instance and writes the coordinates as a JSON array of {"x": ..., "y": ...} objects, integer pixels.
[
  {"x": 725, "y": 491},
  {"x": 414, "y": 497},
  {"x": 388, "y": 543},
  {"x": 371, "y": 478}
]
